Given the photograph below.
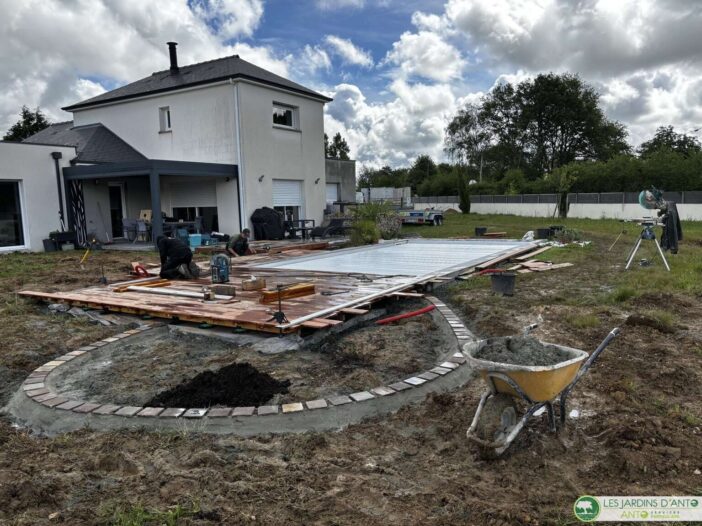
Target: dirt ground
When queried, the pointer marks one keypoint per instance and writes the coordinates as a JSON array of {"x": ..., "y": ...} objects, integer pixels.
[
  {"x": 135, "y": 372},
  {"x": 639, "y": 430}
]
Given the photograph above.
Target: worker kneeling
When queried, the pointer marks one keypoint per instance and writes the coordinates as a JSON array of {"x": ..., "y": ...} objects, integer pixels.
[{"x": 176, "y": 259}]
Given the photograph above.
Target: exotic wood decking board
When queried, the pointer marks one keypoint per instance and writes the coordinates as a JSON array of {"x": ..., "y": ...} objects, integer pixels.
[{"x": 336, "y": 294}]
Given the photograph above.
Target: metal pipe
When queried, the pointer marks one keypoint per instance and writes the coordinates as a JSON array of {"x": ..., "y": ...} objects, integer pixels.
[{"x": 56, "y": 156}]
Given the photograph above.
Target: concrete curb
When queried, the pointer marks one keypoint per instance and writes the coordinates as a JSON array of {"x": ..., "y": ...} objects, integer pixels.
[{"x": 39, "y": 406}]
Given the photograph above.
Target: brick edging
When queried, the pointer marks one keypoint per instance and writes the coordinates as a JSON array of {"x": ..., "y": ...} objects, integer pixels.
[{"x": 35, "y": 387}]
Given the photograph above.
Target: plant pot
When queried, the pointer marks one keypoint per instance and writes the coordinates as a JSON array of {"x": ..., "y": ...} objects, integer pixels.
[
  {"x": 480, "y": 230},
  {"x": 503, "y": 283},
  {"x": 49, "y": 245}
]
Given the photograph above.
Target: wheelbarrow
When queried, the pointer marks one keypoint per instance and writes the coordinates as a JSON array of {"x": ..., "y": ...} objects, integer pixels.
[{"x": 495, "y": 424}]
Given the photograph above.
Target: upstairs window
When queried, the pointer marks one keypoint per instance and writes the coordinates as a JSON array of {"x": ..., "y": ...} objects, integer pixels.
[
  {"x": 164, "y": 116},
  {"x": 285, "y": 116}
]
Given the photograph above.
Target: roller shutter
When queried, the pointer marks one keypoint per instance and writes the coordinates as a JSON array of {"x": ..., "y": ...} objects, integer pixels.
[{"x": 287, "y": 192}]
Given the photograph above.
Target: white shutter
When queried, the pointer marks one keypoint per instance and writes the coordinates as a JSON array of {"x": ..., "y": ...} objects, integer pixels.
[
  {"x": 287, "y": 192},
  {"x": 332, "y": 192}
]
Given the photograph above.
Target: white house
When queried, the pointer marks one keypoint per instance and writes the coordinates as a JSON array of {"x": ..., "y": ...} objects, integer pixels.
[
  {"x": 214, "y": 140},
  {"x": 30, "y": 193}
]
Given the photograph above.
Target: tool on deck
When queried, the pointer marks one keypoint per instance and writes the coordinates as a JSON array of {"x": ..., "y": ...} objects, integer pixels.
[
  {"x": 219, "y": 266},
  {"x": 279, "y": 315}
]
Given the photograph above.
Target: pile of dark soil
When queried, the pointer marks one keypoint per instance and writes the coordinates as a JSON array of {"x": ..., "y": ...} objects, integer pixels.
[
  {"x": 519, "y": 350},
  {"x": 238, "y": 384}
]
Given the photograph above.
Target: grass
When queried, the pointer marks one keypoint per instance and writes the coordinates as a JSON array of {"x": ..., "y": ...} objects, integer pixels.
[
  {"x": 664, "y": 318},
  {"x": 686, "y": 275},
  {"x": 583, "y": 321}
]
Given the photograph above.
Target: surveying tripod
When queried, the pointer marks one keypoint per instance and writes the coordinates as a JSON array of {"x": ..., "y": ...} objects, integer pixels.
[{"x": 648, "y": 234}]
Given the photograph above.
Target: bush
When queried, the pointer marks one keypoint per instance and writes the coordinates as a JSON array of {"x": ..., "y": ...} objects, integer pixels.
[
  {"x": 365, "y": 233},
  {"x": 389, "y": 225},
  {"x": 371, "y": 211}
]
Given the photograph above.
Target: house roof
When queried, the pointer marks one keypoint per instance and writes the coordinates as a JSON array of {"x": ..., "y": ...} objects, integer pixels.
[
  {"x": 94, "y": 143},
  {"x": 208, "y": 72}
]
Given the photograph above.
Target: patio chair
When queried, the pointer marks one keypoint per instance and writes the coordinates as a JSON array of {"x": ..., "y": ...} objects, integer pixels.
[
  {"x": 129, "y": 228},
  {"x": 143, "y": 230},
  {"x": 183, "y": 235}
]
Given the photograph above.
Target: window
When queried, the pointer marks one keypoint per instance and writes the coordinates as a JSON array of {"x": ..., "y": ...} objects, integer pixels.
[
  {"x": 165, "y": 119},
  {"x": 285, "y": 116},
  {"x": 11, "y": 228}
]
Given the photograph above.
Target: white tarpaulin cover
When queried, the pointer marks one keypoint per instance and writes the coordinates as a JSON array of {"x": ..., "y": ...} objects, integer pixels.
[{"x": 413, "y": 257}]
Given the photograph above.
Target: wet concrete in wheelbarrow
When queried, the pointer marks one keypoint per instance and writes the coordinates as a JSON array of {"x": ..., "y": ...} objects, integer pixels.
[{"x": 521, "y": 350}]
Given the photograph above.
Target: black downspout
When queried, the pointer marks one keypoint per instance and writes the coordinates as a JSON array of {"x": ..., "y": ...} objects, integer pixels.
[{"x": 56, "y": 156}]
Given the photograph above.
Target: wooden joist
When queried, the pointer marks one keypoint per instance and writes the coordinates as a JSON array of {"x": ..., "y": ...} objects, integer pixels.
[
  {"x": 504, "y": 257},
  {"x": 356, "y": 312},
  {"x": 294, "y": 291}
]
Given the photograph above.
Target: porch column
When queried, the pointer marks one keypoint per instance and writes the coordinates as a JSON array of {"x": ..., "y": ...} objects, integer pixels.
[{"x": 156, "y": 217}]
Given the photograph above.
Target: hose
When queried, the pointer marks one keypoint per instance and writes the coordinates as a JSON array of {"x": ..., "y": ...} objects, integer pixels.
[{"x": 405, "y": 315}]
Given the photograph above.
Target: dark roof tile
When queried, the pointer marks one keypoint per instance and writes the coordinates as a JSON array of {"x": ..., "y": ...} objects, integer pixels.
[
  {"x": 208, "y": 72},
  {"x": 94, "y": 143}
]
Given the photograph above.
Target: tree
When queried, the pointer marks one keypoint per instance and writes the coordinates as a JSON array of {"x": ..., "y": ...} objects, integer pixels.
[
  {"x": 666, "y": 138},
  {"x": 467, "y": 137},
  {"x": 463, "y": 192},
  {"x": 536, "y": 126},
  {"x": 423, "y": 168},
  {"x": 30, "y": 123},
  {"x": 563, "y": 121},
  {"x": 338, "y": 149}
]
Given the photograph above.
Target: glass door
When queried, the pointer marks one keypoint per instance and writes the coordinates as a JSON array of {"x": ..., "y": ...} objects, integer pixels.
[{"x": 11, "y": 227}]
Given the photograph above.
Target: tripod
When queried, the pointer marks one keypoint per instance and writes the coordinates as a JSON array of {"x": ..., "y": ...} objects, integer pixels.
[{"x": 648, "y": 234}]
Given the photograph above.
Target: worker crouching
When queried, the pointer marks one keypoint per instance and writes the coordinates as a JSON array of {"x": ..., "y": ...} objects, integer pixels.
[{"x": 176, "y": 259}]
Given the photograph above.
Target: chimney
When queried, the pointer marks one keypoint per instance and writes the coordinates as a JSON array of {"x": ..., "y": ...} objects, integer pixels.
[{"x": 174, "y": 56}]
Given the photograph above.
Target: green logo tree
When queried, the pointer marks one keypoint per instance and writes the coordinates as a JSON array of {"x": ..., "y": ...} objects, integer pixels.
[{"x": 586, "y": 508}]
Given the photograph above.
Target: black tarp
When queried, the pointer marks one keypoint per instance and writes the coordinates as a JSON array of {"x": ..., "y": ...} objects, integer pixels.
[
  {"x": 672, "y": 229},
  {"x": 268, "y": 224}
]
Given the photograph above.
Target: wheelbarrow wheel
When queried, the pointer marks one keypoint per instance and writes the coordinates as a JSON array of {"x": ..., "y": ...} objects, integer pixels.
[{"x": 497, "y": 419}]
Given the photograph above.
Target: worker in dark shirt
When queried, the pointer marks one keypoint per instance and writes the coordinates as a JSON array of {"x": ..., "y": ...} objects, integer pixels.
[
  {"x": 176, "y": 259},
  {"x": 239, "y": 246}
]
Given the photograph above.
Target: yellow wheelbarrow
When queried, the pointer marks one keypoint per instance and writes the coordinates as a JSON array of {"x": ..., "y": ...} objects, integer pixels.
[{"x": 495, "y": 424}]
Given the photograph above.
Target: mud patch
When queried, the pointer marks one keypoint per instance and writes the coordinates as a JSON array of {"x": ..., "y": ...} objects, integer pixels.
[
  {"x": 519, "y": 350},
  {"x": 237, "y": 384}
]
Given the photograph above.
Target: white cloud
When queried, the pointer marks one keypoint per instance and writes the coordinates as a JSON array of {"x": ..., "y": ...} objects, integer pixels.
[
  {"x": 642, "y": 55},
  {"x": 332, "y": 5},
  {"x": 231, "y": 18},
  {"x": 349, "y": 52},
  {"x": 88, "y": 45},
  {"x": 395, "y": 132},
  {"x": 313, "y": 59},
  {"x": 425, "y": 54}
]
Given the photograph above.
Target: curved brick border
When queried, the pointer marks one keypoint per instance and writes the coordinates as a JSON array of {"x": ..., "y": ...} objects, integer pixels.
[{"x": 324, "y": 413}]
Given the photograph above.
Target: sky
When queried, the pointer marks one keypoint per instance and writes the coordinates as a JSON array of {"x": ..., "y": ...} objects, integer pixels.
[{"x": 398, "y": 70}]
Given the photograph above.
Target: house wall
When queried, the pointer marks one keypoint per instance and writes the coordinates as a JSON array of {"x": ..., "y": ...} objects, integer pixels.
[
  {"x": 279, "y": 153},
  {"x": 342, "y": 173},
  {"x": 204, "y": 129},
  {"x": 33, "y": 166},
  {"x": 202, "y": 124}
]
